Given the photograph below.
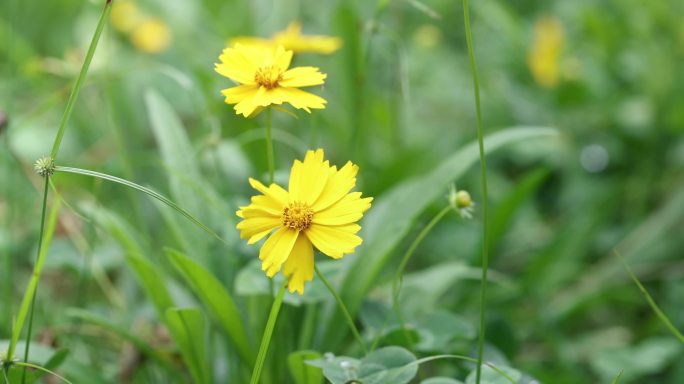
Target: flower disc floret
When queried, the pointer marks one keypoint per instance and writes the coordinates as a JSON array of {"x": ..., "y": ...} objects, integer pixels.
[{"x": 317, "y": 210}]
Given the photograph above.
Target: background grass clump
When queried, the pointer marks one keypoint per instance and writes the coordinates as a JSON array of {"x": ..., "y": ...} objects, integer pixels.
[{"x": 583, "y": 113}]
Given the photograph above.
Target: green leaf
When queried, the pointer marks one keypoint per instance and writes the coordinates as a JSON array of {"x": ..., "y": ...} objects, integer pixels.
[
  {"x": 389, "y": 365},
  {"x": 217, "y": 299},
  {"x": 153, "y": 283},
  {"x": 440, "y": 380},
  {"x": 505, "y": 209},
  {"x": 124, "y": 334},
  {"x": 490, "y": 376},
  {"x": 188, "y": 330},
  {"x": 176, "y": 151},
  {"x": 391, "y": 218},
  {"x": 649, "y": 357},
  {"x": 303, "y": 373},
  {"x": 140, "y": 188}
]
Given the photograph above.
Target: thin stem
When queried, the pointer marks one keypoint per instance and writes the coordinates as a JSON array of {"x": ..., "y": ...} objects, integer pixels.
[
  {"x": 485, "y": 205},
  {"x": 396, "y": 283},
  {"x": 661, "y": 315},
  {"x": 269, "y": 148},
  {"x": 81, "y": 77},
  {"x": 340, "y": 303},
  {"x": 31, "y": 291},
  {"x": 266, "y": 338},
  {"x": 28, "y": 336}
]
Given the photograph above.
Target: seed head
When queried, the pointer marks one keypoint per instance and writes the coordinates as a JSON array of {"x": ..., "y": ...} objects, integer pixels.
[{"x": 45, "y": 166}]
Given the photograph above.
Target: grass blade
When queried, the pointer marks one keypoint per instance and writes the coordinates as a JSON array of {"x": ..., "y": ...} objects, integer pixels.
[
  {"x": 217, "y": 299},
  {"x": 145, "y": 190}
]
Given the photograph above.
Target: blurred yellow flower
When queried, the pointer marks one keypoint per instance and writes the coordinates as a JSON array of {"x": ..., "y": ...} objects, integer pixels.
[
  {"x": 292, "y": 39},
  {"x": 544, "y": 55},
  {"x": 318, "y": 211},
  {"x": 151, "y": 36},
  {"x": 264, "y": 79},
  {"x": 125, "y": 15}
]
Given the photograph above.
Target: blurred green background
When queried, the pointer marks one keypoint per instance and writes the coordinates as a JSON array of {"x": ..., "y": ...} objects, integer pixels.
[{"x": 606, "y": 74}]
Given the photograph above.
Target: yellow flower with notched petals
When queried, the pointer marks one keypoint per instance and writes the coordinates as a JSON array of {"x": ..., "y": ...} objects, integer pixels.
[
  {"x": 265, "y": 79},
  {"x": 318, "y": 210},
  {"x": 293, "y": 39}
]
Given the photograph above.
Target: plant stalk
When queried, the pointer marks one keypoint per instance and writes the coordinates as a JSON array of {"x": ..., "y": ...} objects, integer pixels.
[
  {"x": 340, "y": 303},
  {"x": 396, "y": 282},
  {"x": 485, "y": 204},
  {"x": 268, "y": 333}
]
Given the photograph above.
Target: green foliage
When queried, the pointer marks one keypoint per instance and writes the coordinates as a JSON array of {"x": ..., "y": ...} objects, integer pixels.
[{"x": 605, "y": 175}]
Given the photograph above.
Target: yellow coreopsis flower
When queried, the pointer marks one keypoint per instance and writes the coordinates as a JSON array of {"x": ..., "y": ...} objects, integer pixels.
[
  {"x": 293, "y": 39},
  {"x": 543, "y": 58},
  {"x": 265, "y": 79},
  {"x": 318, "y": 210},
  {"x": 151, "y": 36}
]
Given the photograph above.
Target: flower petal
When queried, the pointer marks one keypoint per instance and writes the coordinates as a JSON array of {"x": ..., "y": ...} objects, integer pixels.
[
  {"x": 308, "y": 178},
  {"x": 282, "y": 58},
  {"x": 302, "y": 99},
  {"x": 255, "y": 228},
  {"x": 276, "y": 250},
  {"x": 338, "y": 185},
  {"x": 237, "y": 94},
  {"x": 348, "y": 210},
  {"x": 302, "y": 77},
  {"x": 237, "y": 64},
  {"x": 334, "y": 241},
  {"x": 277, "y": 195},
  {"x": 299, "y": 267}
]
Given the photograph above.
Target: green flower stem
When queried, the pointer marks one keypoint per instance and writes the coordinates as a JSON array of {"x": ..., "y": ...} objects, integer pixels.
[
  {"x": 269, "y": 148},
  {"x": 396, "y": 283},
  {"x": 81, "y": 77},
  {"x": 268, "y": 332},
  {"x": 340, "y": 303},
  {"x": 485, "y": 205}
]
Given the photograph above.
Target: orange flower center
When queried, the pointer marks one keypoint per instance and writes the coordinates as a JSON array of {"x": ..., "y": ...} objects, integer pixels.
[
  {"x": 268, "y": 77},
  {"x": 297, "y": 216}
]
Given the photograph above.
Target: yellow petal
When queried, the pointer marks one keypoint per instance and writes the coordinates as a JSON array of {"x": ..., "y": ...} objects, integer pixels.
[
  {"x": 299, "y": 267},
  {"x": 338, "y": 185},
  {"x": 282, "y": 58},
  {"x": 274, "y": 192},
  {"x": 308, "y": 178},
  {"x": 255, "y": 228},
  {"x": 246, "y": 106},
  {"x": 237, "y": 94},
  {"x": 303, "y": 100},
  {"x": 238, "y": 63},
  {"x": 266, "y": 97},
  {"x": 276, "y": 250},
  {"x": 348, "y": 210},
  {"x": 302, "y": 77},
  {"x": 334, "y": 241}
]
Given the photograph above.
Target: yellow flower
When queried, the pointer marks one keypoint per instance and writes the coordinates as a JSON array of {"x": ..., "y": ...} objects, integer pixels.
[
  {"x": 151, "y": 36},
  {"x": 265, "y": 79},
  {"x": 125, "y": 15},
  {"x": 318, "y": 210},
  {"x": 545, "y": 53},
  {"x": 292, "y": 39}
]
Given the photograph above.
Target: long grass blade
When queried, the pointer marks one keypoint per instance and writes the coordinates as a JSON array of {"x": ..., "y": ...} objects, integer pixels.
[{"x": 145, "y": 190}]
